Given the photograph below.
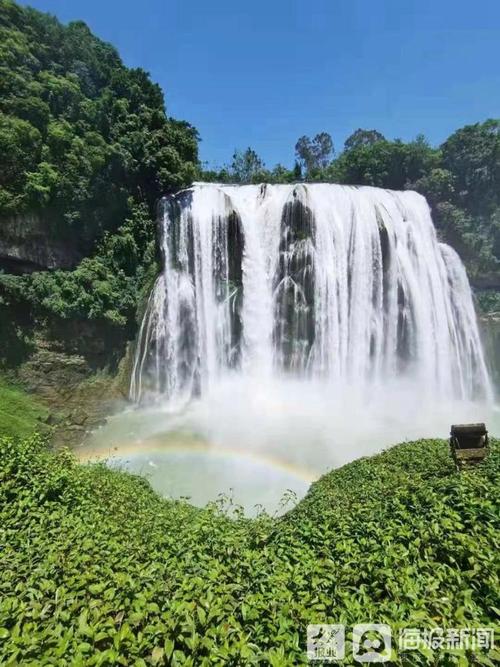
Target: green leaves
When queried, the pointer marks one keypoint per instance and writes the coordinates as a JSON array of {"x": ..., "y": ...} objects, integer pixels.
[
  {"x": 68, "y": 96},
  {"x": 96, "y": 569},
  {"x": 87, "y": 150}
]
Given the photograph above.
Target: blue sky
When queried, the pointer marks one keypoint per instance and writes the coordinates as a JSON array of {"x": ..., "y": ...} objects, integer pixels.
[{"x": 264, "y": 72}]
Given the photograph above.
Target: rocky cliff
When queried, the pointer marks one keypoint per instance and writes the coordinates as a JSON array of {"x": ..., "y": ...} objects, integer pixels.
[{"x": 28, "y": 243}]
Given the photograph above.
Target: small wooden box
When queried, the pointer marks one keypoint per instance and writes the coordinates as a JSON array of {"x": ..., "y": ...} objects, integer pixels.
[{"x": 468, "y": 444}]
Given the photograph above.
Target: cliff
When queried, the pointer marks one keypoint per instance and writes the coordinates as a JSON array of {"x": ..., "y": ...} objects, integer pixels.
[{"x": 28, "y": 244}]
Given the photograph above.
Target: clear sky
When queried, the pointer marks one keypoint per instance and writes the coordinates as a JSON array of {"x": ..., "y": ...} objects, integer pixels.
[{"x": 261, "y": 73}]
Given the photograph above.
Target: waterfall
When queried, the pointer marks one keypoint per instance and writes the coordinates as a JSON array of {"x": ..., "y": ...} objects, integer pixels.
[{"x": 347, "y": 284}]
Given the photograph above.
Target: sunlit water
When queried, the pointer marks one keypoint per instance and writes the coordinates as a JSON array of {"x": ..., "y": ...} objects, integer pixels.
[
  {"x": 319, "y": 280},
  {"x": 294, "y": 328},
  {"x": 255, "y": 441}
]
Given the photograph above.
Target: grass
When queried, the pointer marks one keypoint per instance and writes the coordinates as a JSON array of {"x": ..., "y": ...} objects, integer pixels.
[
  {"x": 96, "y": 569},
  {"x": 20, "y": 413}
]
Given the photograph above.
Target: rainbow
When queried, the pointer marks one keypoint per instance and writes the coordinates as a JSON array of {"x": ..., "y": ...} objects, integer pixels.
[{"x": 94, "y": 453}]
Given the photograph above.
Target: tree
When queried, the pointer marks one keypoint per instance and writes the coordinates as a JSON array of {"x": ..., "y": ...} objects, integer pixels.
[
  {"x": 362, "y": 138},
  {"x": 385, "y": 164},
  {"x": 472, "y": 155},
  {"x": 297, "y": 171},
  {"x": 246, "y": 166},
  {"x": 437, "y": 185},
  {"x": 314, "y": 154},
  {"x": 420, "y": 159},
  {"x": 280, "y": 174}
]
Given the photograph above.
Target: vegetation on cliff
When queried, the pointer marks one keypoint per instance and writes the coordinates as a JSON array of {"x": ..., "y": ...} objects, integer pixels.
[
  {"x": 86, "y": 144},
  {"x": 96, "y": 569},
  {"x": 80, "y": 133}
]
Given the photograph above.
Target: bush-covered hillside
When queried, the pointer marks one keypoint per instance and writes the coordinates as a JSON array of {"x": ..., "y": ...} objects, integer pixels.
[
  {"x": 80, "y": 133},
  {"x": 86, "y": 149},
  {"x": 96, "y": 569}
]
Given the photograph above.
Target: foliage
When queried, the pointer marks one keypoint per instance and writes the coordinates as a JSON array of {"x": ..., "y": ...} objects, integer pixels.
[
  {"x": 96, "y": 569},
  {"x": 79, "y": 132},
  {"x": 489, "y": 301},
  {"x": 20, "y": 413},
  {"x": 472, "y": 155},
  {"x": 102, "y": 287},
  {"x": 385, "y": 164},
  {"x": 246, "y": 166},
  {"x": 315, "y": 154},
  {"x": 362, "y": 138}
]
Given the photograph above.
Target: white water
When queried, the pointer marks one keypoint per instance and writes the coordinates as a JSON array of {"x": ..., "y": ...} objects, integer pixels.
[
  {"x": 345, "y": 285},
  {"x": 283, "y": 339}
]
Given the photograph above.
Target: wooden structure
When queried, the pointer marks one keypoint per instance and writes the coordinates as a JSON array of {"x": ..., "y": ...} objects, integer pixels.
[{"x": 468, "y": 444}]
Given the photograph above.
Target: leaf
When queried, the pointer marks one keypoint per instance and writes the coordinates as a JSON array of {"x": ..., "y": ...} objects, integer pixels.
[
  {"x": 157, "y": 655},
  {"x": 202, "y": 615}
]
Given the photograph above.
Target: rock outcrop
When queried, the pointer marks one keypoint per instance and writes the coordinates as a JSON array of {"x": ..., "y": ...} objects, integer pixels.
[
  {"x": 490, "y": 332},
  {"x": 78, "y": 398},
  {"x": 27, "y": 244}
]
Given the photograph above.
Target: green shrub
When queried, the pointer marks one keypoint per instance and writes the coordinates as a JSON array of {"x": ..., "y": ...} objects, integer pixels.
[
  {"x": 489, "y": 301},
  {"x": 20, "y": 413},
  {"x": 96, "y": 569},
  {"x": 80, "y": 133}
]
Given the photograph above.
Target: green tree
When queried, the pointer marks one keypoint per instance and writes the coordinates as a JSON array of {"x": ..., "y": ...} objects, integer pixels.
[
  {"x": 20, "y": 151},
  {"x": 472, "y": 155},
  {"x": 437, "y": 185},
  {"x": 280, "y": 174},
  {"x": 314, "y": 154},
  {"x": 386, "y": 164},
  {"x": 362, "y": 138},
  {"x": 246, "y": 166}
]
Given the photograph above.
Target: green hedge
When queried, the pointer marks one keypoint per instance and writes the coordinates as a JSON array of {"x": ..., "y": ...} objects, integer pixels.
[{"x": 96, "y": 569}]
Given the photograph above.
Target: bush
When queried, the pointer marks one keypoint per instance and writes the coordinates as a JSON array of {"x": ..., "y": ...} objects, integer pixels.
[
  {"x": 20, "y": 413},
  {"x": 79, "y": 132},
  {"x": 96, "y": 569}
]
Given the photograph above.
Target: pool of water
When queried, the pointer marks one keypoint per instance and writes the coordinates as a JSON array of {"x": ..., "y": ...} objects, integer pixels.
[
  {"x": 202, "y": 473},
  {"x": 259, "y": 443}
]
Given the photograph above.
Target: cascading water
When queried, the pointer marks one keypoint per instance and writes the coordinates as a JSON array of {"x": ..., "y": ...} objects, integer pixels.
[
  {"x": 347, "y": 285},
  {"x": 294, "y": 328}
]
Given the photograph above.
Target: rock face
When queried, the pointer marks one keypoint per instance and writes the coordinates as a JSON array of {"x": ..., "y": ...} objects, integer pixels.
[
  {"x": 27, "y": 244},
  {"x": 486, "y": 281},
  {"x": 79, "y": 399},
  {"x": 490, "y": 331}
]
